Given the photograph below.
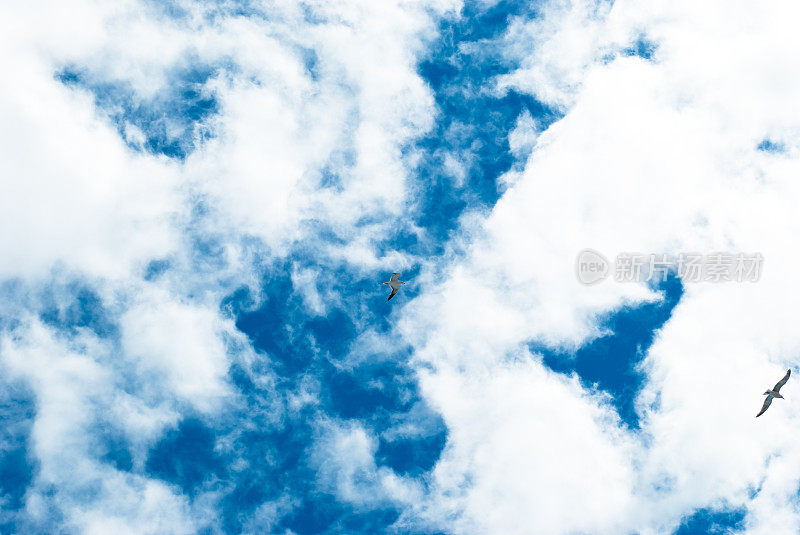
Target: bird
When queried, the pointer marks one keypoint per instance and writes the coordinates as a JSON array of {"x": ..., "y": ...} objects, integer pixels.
[
  {"x": 394, "y": 283},
  {"x": 774, "y": 393}
]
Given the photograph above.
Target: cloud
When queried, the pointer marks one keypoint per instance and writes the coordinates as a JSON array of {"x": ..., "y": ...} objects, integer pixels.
[
  {"x": 75, "y": 398},
  {"x": 178, "y": 348},
  {"x": 344, "y": 458}
]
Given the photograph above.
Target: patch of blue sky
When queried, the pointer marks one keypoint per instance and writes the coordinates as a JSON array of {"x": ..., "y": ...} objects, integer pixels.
[
  {"x": 299, "y": 347},
  {"x": 211, "y": 9},
  {"x": 174, "y": 122},
  {"x": 156, "y": 268},
  {"x": 73, "y": 306},
  {"x": 261, "y": 464},
  {"x": 186, "y": 456},
  {"x": 769, "y": 145},
  {"x": 610, "y": 362},
  {"x": 713, "y": 522},
  {"x": 17, "y": 466},
  {"x": 246, "y": 456},
  {"x": 112, "y": 449},
  {"x": 643, "y": 47},
  {"x": 299, "y": 342},
  {"x": 413, "y": 456},
  {"x": 324, "y": 514},
  {"x": 168, "y": 8},
  {"x": 468, "y": 149},
  {"x": 65, "y": 303}
]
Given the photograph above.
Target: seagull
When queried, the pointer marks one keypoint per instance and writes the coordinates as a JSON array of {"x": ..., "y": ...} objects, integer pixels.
[
  {"x": 394, "y": 283},
  {"x": 774, "y": 393}
]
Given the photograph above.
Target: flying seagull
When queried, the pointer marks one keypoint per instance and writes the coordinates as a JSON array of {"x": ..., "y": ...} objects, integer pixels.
[
  {"x": 774, "y": 393},
  {"x": 394, "y": 283}
]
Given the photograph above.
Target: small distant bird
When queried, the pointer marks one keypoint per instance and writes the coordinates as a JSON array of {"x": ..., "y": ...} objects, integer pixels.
[
  {"x": 394, "y": 283},
  {"x": 774, "y": 393}
]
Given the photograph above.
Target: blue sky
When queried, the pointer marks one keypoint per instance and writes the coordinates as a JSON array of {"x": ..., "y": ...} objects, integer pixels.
[{"x": 204, "y": 198}]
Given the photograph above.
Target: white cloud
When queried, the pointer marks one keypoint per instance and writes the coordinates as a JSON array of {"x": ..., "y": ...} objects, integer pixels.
[
  {"x": 74, "y": 390},
  {"x": 305, "y": 281},
  {"x": 267, "y": 515},
  {"x": 522, "y": 138},
  {"x": 509, "y": 432},
  {"x": 178, "y": 349},
  {"x": 344, "y": 120},
  {"x": 344, "y": 457}
]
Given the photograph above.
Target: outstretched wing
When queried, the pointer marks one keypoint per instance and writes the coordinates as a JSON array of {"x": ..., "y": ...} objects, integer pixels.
[
  {"x": 394, "y": 276},
  {"x": 394, "y": 291},
  {"x": 782, "y": 382},
  {"x": 766, "y": 405}
]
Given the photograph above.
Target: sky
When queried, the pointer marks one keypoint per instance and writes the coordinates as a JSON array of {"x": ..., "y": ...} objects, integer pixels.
[{"x": 201, "y": 199}]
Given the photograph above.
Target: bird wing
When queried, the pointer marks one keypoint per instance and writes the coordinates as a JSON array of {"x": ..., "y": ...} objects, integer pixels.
[
  {"x": 394, "y": 291},
  {"x": 394, "y": 276},
  {"x": 766, "y": 405},
  {"x": 782, "y": 382}
]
